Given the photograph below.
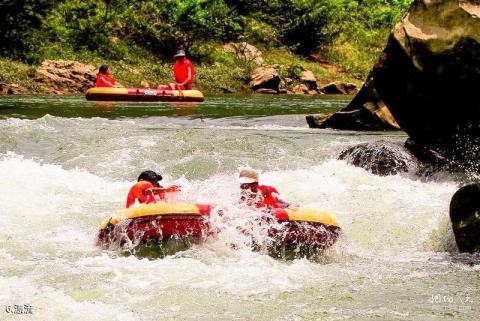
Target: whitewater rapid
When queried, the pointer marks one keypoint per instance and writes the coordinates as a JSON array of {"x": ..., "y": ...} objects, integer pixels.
[{"x": 62, "y": 176}]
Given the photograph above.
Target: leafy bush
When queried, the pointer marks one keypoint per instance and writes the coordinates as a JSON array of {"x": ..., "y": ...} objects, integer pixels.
[
  {"x": 209, "y": 53},
  {"x": 201, "y": 20}
]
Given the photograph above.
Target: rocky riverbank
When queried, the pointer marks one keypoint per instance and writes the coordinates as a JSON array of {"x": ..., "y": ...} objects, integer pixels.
[{"x": 252, "y": 73}]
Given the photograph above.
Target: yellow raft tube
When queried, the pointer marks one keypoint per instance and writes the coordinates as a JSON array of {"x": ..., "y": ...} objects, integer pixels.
[{"x": 143, "y": 94}]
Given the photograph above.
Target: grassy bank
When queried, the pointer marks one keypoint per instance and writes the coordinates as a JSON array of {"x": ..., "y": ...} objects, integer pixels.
[
  {"x": 223, "y": 74},
  {"x": 15, "y": 72}
]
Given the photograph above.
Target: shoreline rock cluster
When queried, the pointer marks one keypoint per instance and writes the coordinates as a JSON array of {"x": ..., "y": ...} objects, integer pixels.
[
  {"x": 58, "y": 77},
  {"x": 267, "y": 80}
]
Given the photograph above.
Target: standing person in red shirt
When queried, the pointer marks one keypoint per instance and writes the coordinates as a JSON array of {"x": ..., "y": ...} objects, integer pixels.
[
  {"x": 104, "y": 79},
  {"x": 184, "y": 73},
  {"x": 260, "y": 196}
]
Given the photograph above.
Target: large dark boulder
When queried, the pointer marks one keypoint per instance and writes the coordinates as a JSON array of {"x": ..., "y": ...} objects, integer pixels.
[
  {"x": 428, "y": 76},
  {"x": 363, "y": 113},
  {"x": 465, "y": 217},
  {"x": 381, "y": 158},
  {"x": 371, "y": 117},
  {"x": 389, "y": 158}
]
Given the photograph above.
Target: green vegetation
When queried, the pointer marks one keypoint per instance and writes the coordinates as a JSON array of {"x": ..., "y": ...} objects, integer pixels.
[
  {"x": 15, "y": 72},
  {"x": 138, "y": 38}
]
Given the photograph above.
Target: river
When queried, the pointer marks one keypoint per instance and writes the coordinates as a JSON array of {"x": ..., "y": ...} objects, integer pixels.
[{"x": 66, "y": 164}]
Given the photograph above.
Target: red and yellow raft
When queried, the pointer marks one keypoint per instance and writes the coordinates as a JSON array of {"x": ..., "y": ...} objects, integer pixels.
[
  {"x": 156, "y": 222},
  {"x": 306, "y": 228},
  {"x": 143, "y": 94}
]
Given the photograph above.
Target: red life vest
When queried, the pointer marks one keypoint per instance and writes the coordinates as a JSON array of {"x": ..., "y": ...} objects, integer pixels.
[
  {"x": 268, "y": 199},
  {"x": 103, "y": 80},
  {"x": 262, "y": 198},
  {"x": 139, "y": 192},
  {"x": 180, "y": 70}
]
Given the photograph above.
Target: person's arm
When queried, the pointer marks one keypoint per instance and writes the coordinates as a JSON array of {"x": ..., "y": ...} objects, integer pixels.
[
  {"x": 285, "y": 204},
  {"x": 117, "y": 84},
  {"x": 161, "y": 190},
  {"x": 189, "y": 76},
  {"x": 105, "y": 81},
  {"x": 280, "y": 201},
  {"x": 161, "y": 193}
]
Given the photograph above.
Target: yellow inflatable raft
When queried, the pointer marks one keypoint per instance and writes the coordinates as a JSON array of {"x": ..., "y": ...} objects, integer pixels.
[{"x": 143, "y": 94}]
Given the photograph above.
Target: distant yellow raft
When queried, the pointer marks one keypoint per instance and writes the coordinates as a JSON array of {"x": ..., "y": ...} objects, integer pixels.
[{"x": 143, "y": 94}]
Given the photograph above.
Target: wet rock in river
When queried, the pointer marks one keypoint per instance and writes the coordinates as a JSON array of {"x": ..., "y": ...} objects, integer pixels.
[
  {"x": 369, "y": 117},
  {"x": 302, "y": 89},
  {"x": 465, "y": 218},
  {"x": 381, "y": 158},
  {"x": 386, "y": 158}
]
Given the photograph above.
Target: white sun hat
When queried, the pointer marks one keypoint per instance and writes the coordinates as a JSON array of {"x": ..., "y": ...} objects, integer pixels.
[{"x": 248, "y": 176}]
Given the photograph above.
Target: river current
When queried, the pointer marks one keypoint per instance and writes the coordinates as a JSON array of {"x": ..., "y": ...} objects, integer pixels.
[{"x": 66, "y": 164}]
